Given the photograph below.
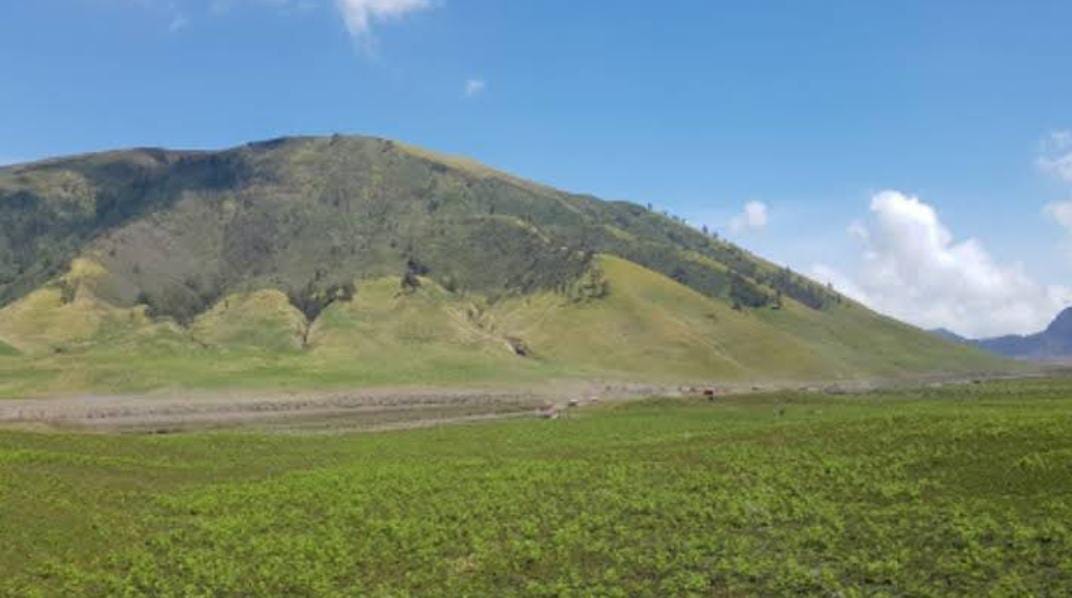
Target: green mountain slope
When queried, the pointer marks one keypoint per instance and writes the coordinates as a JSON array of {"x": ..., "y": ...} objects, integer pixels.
[
  {"x": 649, "y": 323},
  {"x": 317, "y": 261},
  {"x": 178, "y": 230}
]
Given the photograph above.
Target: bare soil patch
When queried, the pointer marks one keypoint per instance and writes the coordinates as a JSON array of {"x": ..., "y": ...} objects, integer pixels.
[
  {"x": 371, "y": 409},
  {"x": 313, "y": 411}
]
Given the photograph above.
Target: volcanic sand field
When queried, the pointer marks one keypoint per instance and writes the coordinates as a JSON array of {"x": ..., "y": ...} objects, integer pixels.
[
  {"x": 961, "y": 489},
  {"x": 325, "y": 411}
]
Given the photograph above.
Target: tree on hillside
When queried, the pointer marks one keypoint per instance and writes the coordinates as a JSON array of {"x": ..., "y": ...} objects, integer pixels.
[
  {"x": 411, "y": 278},
  {"x": 312, "y": 300}
]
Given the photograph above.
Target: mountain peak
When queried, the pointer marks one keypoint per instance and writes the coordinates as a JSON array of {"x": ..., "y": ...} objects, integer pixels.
[
  {"x": 1053, "y": 343},
  {"x": 1062, "y": 324}
]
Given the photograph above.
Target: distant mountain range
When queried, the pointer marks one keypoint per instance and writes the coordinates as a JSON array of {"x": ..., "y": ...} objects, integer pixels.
[{"x": 1052, "y": 344}]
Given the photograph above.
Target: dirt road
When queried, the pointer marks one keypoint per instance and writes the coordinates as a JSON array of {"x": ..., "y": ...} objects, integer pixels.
[
  {"x": 369, "y": 409},
  {"x": 358, "y": 410}
]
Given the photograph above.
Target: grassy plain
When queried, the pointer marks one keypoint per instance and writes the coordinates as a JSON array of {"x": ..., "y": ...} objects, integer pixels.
[{"x": 937, "y": 491}]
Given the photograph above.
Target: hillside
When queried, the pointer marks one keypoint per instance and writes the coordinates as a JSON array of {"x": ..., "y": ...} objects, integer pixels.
[
  {"x": 949, "y": 335},
  {"x": 351, "y": 260}
]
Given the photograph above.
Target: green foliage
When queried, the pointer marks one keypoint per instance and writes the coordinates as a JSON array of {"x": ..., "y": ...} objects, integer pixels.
[
  {"x": 269, "y": 215},
  {"x": 744, "y": 292},
  {"x": 411, "y": 277},
  {"x": 619, "y": 321},
  {"x": 311, "y": 218},
  {"x": 791, "y": 284},
  {"x": 183, "y": 302},
  {"x": 51, "y": 211},
  {"x": 312, "y": 299},
  {"x": 959, "y": 490},
  {"x": 67, "y": 291},
  {"x": 591, "y": 285}
]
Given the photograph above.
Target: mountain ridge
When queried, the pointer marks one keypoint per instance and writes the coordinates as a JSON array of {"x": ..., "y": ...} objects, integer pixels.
[
  {"x": 1054, "y": 343},
  {"x": 597, "y": 226},
  {"x": 103, "y": 253}
]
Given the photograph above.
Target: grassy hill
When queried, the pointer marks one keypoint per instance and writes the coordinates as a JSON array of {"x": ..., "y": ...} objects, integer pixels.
[{"x": 346, "y": 260}]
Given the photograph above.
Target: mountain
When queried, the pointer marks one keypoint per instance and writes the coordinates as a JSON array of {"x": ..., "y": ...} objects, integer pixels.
[
  {"x": 1052, "y": 344},
  {"x": 949, "y": 335},
  {"x": 355, "y": 260}
]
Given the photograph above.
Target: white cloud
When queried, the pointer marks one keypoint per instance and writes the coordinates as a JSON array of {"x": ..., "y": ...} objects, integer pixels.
[
  {"x": 283, "y": 6},
  {"x": 178, "y": 22},
  {"x": 1056, "y": 159},
  {"x": 164, "y": 9},
  {"x": 359, "y": 15},
  {"x": 913, "y": 269},
  {"x": 474, "y": 87},
  {"x": 1061, "y": 212},
  {"x": 844, "y": 285},
  {"x": 753, "y": 217},
  {"x": 1056, "y": 155}
]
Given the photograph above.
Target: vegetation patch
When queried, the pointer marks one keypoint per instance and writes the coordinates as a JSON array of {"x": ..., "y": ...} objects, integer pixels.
[
  {"x": 617, "y": 321},
  {"x": 959, "y": 490},
  {"x": 177, "y": 231}
]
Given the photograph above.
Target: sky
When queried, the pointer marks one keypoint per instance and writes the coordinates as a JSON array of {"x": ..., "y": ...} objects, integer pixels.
[{"x": 917, "y": 155}]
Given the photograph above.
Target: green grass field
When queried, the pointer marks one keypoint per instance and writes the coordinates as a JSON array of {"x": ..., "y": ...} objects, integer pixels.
[{"x": 960, "y": 490}]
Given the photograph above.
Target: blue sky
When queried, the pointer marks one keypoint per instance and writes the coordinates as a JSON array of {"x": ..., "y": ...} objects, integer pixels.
[{"x": 808, "y": 110}]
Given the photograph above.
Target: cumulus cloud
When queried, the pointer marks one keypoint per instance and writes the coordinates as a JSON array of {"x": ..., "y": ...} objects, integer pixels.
[
  {"x": 474, "y": 87},
  {"x": 914, "y": 269},
  {"x": 359, "y": 15},
  {"x": 752, "y": 217},
  {"x": 1056, "y": 155}
]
